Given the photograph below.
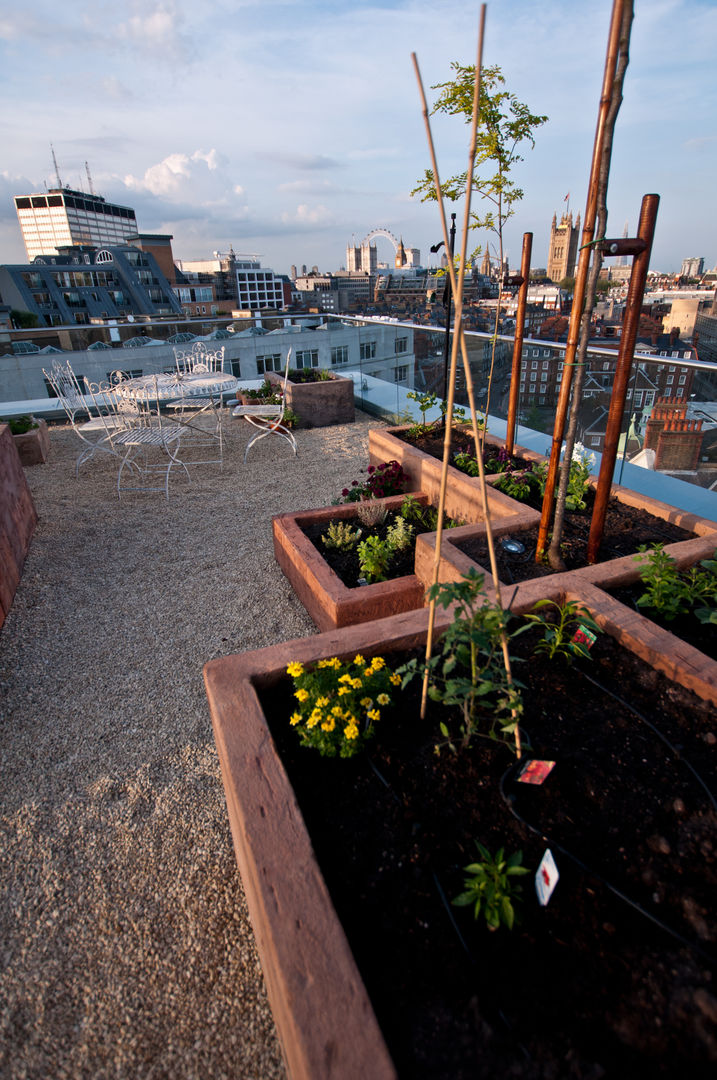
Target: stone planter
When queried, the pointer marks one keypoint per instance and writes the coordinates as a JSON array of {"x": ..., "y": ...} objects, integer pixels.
[
  {"x": 319, "y": 404},
  {"x": 461, "y": 490},
  {"x": 330, "y": 602},
  {"x": 18, "y": 519},
  {"x": 322, "y": 1012},
  {"x": 33, "y": 446}
]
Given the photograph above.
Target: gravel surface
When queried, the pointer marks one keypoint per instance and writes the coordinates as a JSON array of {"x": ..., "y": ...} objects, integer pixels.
[{"x": 125, "y": 943}]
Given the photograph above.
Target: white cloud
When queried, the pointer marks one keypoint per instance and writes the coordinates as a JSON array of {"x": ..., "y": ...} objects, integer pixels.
[
  {"x": 175, "y": 175},
  {"x": 308, "y": 215}
]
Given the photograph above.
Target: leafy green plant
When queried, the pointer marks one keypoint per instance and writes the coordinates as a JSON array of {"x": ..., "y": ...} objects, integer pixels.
[
  {"x": 340, "y": 702},
  {"x": 672, "y": 594},
  {"x": 466, "y": 463},
  {"x": 309, "y": 375},
  {"x": 579, "y": 476},
  {"x": 264, "y": 394},
  {"x": 22, "y": 424},
  {"x": 518, "y": 485},
  {"x": 375, "y": 558},
  {"x": 424, "y": 517},
  {"x": 561, "y": 623},
  {"x": 341, "y": 536},
  {"x": 489, "y": 887},
  {"x": 425, "y": 402},
  {"x": 399, "y": 534},
  {"x": 468, "y": 671}
]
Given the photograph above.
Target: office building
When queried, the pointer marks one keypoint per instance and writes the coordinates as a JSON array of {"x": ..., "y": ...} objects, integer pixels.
[{"x": 62, "y": 217}]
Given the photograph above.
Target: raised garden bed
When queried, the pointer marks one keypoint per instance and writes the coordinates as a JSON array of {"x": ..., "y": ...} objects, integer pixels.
[
  {"x": 18, "y": 519},
  {"x": 463, "y": 495},
  {"x": 588, "y": 986},
  {"x": 321, "y": 403},
  {"x": 32, "y": 440}
]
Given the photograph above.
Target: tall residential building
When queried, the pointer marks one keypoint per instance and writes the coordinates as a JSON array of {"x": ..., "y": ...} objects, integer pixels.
[
  {"x": 62, "y": 217},
  {"x": 563, "y": 249},
  {"x": 692, "y": 268}
]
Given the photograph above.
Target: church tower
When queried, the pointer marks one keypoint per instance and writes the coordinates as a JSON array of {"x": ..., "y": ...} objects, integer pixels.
[
  {"x": 563, "y": 249},
  {"x": 401, "y": 259}
]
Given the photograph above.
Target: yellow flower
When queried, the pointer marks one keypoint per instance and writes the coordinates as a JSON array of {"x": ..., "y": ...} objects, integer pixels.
[
  {"x": 377, "y": 663},
  {"x": 328, "y": 725},
  {"x": 301, "y": 694},
  {"x": 374, "y": 714},
  {"x": 351, "y": 731},
  {"x": 356, "y": 683},
  {"x": 359, "y": 660},
  {"x": 322, "y": 702},
  {"x": 295, "y": 669},
  {"x": 383, "y": 699},
  {"x": 366, "y": 702},
  {"x": 395, "y": 679},
  {"x": 346, "y": 678},
  {"x": 295, "y": 719},
  {"x": 314, "y": 719},
  {"x": 334, "y": 662},
  {"x": 337, "y": 711},
  {"x": 344, "y": 690}
]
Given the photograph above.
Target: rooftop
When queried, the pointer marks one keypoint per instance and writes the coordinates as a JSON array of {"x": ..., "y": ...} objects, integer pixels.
[{"x": 127, "y": 947}]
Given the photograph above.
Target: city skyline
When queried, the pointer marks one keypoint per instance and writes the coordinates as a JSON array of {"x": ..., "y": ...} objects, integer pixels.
[{"x": 260, "y": 124}]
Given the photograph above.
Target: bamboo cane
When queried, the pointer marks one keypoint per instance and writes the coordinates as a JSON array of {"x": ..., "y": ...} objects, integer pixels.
[
  {"x": 459, "y": 340},
  {"x": 581, "y": 276}
]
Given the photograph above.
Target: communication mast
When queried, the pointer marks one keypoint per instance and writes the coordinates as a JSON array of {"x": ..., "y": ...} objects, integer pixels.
[
  {"x": 89, "y": 179},
  {"x": 57, "y": 171}
]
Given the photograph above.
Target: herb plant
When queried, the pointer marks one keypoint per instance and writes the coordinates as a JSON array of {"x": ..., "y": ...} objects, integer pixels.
[
  {"x": 490, "y": 887},
  {"x": 22, "y": 424},
  {"x": 340, "y": 702},
  {"x": 341, "y": 536}
]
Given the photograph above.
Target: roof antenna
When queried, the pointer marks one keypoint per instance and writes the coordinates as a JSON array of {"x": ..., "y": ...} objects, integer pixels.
[
  {"x": 89, "y": 179},
  {"x": 57, "y": 171}
]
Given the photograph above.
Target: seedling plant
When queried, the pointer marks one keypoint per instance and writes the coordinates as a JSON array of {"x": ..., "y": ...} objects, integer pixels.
[
  {"x": 489, "y": 887},
  {"x": 673, "y": 594},
  {"x": 561, "y": 623}
]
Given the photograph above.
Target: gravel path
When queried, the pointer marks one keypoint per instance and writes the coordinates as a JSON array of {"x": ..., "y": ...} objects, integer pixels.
[{"x": 125, "y": 944}]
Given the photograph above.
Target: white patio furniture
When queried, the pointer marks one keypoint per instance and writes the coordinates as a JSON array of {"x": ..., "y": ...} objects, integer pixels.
[
  {"x": 94, "y": 433},
  {"x": 202, "y": 413},
  {"x": 267, "y": 418},
  {"x": 149, "y": 443}
]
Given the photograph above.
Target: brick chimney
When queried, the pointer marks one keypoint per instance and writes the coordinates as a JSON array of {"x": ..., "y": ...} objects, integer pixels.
[
  {"x": 678, "y": 445},
  {"x": 664, "y": 409}
]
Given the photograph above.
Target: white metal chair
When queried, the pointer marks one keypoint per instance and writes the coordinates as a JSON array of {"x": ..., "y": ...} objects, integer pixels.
[
  {"x": 93, "y": 433},
  {"x": 145, "y": 431},
  {"x": 202, "y": 416},
  {"x": 267, "y": 418}
]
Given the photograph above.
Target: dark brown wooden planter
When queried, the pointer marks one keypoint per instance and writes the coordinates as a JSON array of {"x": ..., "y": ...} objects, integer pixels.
[
  {"x": 33, "y": 446},
  {"x": 461, "y": 490},
  {"x": 330, "y": 602},
  {"x": 322, "y": 1012},
  {"x": 18, "y": 519},
  {"x": 319, "y": 404}
]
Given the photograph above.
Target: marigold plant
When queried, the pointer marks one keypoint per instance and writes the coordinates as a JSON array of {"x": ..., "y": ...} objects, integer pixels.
[{"x": 338, "y": 703}]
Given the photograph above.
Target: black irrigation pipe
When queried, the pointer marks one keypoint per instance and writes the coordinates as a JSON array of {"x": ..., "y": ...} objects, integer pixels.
[
  {"x": 553, "y": 844},
  {"x": 656, "y": 730}
]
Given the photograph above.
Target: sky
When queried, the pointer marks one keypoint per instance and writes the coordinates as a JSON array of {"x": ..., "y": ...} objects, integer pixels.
[{"x": 289, "y": 130}]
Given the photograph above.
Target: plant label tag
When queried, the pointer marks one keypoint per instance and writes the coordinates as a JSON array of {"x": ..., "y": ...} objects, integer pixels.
[
  {"x": 546, "y": 878},
  {"x": 584, "y": 637},
  {"x": 535, "y": 772}
]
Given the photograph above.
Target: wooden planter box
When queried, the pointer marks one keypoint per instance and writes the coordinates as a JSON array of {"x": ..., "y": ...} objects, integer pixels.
[
  {"x": 33, "y": 446},
  {"x": 18, "y": 519},
  {"x": 323, "y": 1015},
  {"x": 462, "y": 491},
  {"x": 328, "y": 601},
  {"x": 319, "y": 404}
]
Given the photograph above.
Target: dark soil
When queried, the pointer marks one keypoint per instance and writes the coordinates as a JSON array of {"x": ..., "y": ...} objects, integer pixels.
[
  {"x": 461, "y": 442},
  {"x": 589, "y": 986},
  {"x": 686, "y": 627},
  {"x": 626, "y": 528}
]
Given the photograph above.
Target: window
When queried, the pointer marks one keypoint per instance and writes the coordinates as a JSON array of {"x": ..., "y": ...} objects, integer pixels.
[
  {"x": 534, "y": 363},
  {"x": 669, "y": 380},
  {"x": 536, "y": 352},
  {"x": 367, "y": 350},
  {"x": 606, "y": 365},
  {"x": 638, "y": 398},
  {"x": 594, "y": 440},
  {"x": 533, "y": 376},
  {"x": 543, "y": 376},
  {"x": 672, "y": 366},
  {"x": 682, "y": 380},
  {"x": 340, "y": 355},
  {"x": 400, "y": 373},
  {"x": 680, "y": 391},
  {"x": 269, "y": 362},
  {"x": 545, "y": 365},
  {"x": 307, "y": 358},
  {"x": 401, "y": 345}
]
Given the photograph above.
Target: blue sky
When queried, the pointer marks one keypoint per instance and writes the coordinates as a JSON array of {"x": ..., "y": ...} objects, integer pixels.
[{"x": 287, "y": 128}]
